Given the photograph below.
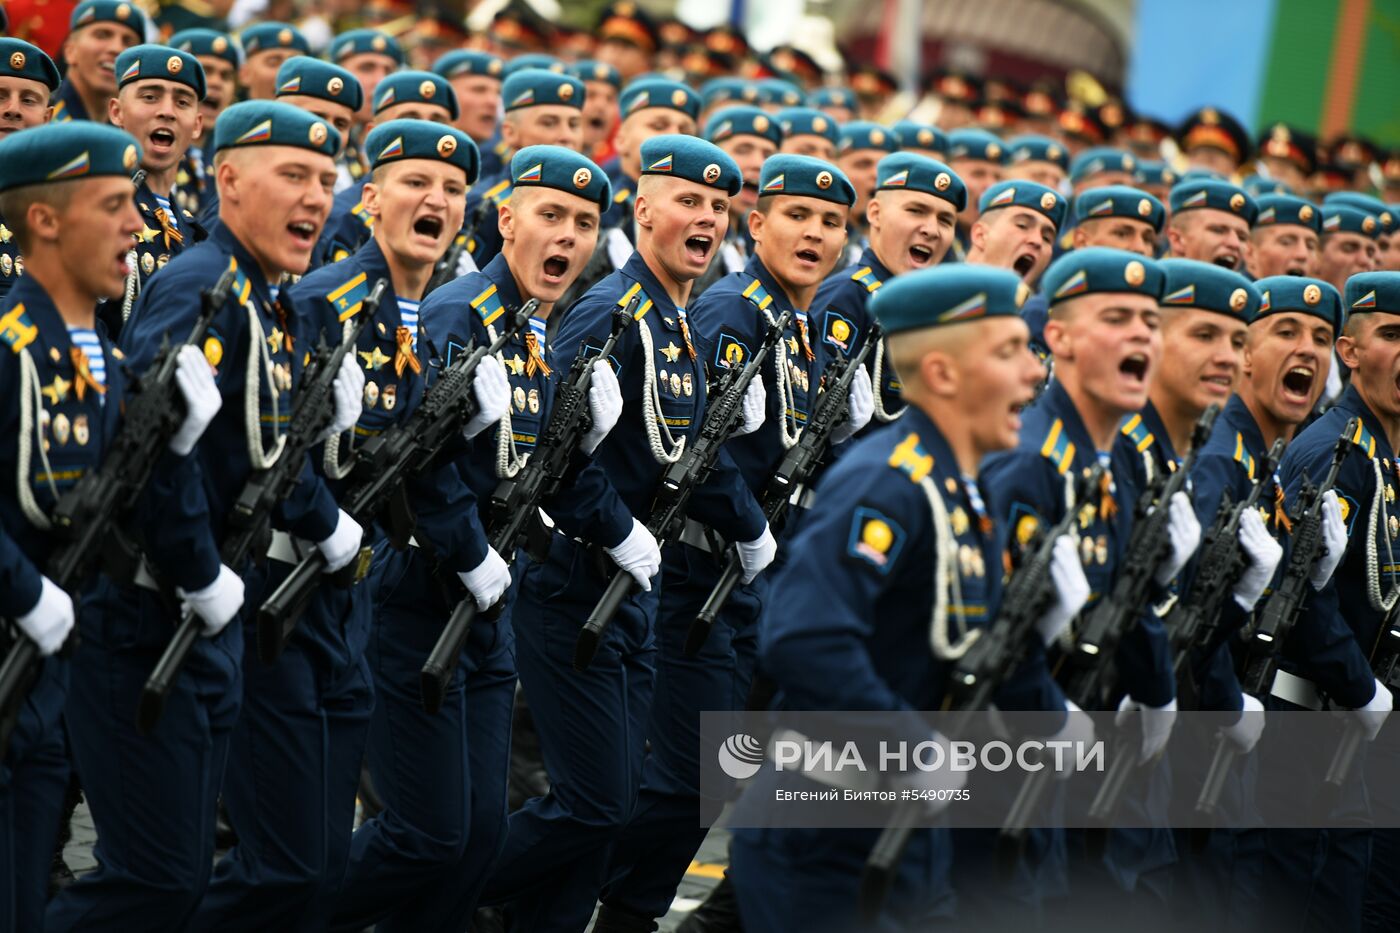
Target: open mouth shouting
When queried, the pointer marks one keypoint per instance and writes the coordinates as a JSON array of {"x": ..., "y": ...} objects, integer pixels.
[
  {"x": 920, "y": 256},
  {"x": 1298, "y": 384},
  {"x": 808, "y": 258},
  {"x": 555, "y": 267},
  {"x": 429, "y": 227},
  {"x": 1024, "y": 263},
  {"x": 160, "y": 141},
  {"x": 697, "y": 248},
  {"x": 1229, "y": 261},
  {"x": 1133, "y": 368},
  {"x": 303, "y": 233},
  {"x": 1295, "y": 270}
]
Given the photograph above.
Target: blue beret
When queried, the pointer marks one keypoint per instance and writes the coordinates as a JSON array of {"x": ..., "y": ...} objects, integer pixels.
[
  {"x": 66, "y": 151},
  {"x": 1192, "y": 284},
  {"x": 1256, "y": 186},
  {"x": 1198, "y": 194},
  {"x": 365, "y": 42},
  {"x": 414, "y": 87},
  {"x": 1203, "y": 174},
  {"x": 805, "y": 121},
  {"x": 422, "y": 139},
  {"x": 1343, "y": 218},
  {"x": 975, "y": 144},
  {"x": 658, "y": 92},
  {"x": 907, "y": 171},
  {"x": 842, "y": 97},
  {"x": 1371, "y": 291},
  {"x": 589, "y": 70},
  {"x": 469, "y": 62},
  {"x": 949, "y": 294},
  {"x": 315, "y": 78},
  {"x": 862, "y": 134},
  {"x": 743, "y": 121},
  {"x": 264, "y": 37},
  {"x": 1099, "y": 270},
  {"x": 1101, "y": 159},
  {"x": 693, "y": 159},
  {"x": 159, "y": 62},
  {"x": 1364, "y": 202},
  {"x": 19, "y": 59},
  {"x": 1028, "y": 194},
  {"x": 1037, "y": 149},
  {"x": 538, "y": 61},
  {"x": 805, "y": 177},
  {"x": 780, "y": 92},
  {"x": 534, "y": 87},
  {"x": 109, "y": 11},
  {"x": 718, "y": 90},
  {"x": 272, "y": 123},
  {"x": 1120, "y": 201},
  {"x": 911, "y": 135},
  {"x": 209, "y": 42},
  {"x": 1156, "y": 173},
  {"x": 1275, "y": 209},
  {"x": 1279, "y": 293},
  {"x": 564, "y": 169}
]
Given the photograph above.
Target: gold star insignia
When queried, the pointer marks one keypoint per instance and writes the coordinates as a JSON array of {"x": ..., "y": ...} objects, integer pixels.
[
  {"x": 147, "y": 234},
  {"x": 5, "y": 234},
  {"x": 374, "y": 358},
  {"x": 671, "y": 352},
  {"x": 792, "y": 345},
  {"x": 274, "y": 339},
  {"x": 57, "y": 390},
  {"x": 516, "y": 365}
]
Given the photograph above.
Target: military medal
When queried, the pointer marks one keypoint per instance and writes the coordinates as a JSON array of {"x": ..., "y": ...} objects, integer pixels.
[
  {"x": 388, "y": 396},
  {"x": 687, "y": 384},
  {"x": 7, "y": 265},
  {"x": 60, "y": 429},
  {"x": 676, "y": 384},
  {"x": 371, "y": 394},
  {"x": 519, "y": 398},
  {"x": 81, "y": 435},
  {"x": 148, "y": 263},
  {"x": 534, "y": 401},
  {"x": 958, "y": 519}
]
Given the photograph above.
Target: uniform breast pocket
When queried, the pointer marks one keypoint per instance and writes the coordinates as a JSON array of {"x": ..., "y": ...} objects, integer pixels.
[
  {"x": 527, "y": 403},
  {"x": 383, "y": 391}
]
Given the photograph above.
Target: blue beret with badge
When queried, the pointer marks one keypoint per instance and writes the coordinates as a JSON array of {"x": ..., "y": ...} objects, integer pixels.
[
  {"x": 722, "y": 90},
  {"x": 862, "y": 134},
  {"x": 414, "y": 87},
  {"x": 1206, "y": 193},
  {"x": 264, "y": 37},
  {"x": 1120, "y": 201},
  {"x": 949, "y": 294},
  {"x": 805, "y": 177},
  {"x": 842, "y": 97},
  {"x": 589, "y": 70},
  {"x": 68, "y": 151},
  {"x": 469, "y": 62},
  {"x": 365, "y": 42},
  {"x": 1100, "y": 270},
  {"x": 1027, "y": 194},
  {"x": 1256, "y": 186},
  {"x": 976, "y": 144},
  {"x": 1277, "y": 209},
  {"x": 535, "y": 60},
  {"x": 1279, "y": 293},
  {"x": 534, "y": 87},
  {"x": 159, "y": 63},
  {"x": 19, "y": 59},
  {"x": 1192, "y": 284},
  {"x": 780, "y": 93},
  {"x": 806, "y": 121},
  {"x": 1037, "y": 149},
  {"x": 1343, "y": 218},
  {"x": 658, "y": 92},
  {"x": 1156, "y": 173},
  {"x": 1091, "y": 162},
  {"x": 908, "y": 171},
  {"x": 1364, "y": 202},
  {"x": 272, "y": 123},
  {"x": 693, "y": 159},
  {"x": 315, "y": 78},
  {"x": 120, "y": 12},
  {"x": 422, "y": 139},
  {"x": 743, "y": 121},
  {"x": 209, "y": 42},
  {"x": 564, "y": 170},
  {"x": 1373, "y": 291},
  {"x": 911, "y": 135}
]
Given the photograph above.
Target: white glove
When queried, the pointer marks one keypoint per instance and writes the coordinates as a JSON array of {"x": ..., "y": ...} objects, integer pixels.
[
  {"x": 1071, "y": 590},
  {"x": 1184, "y": 531},
  {"x": 343, "y": 544},
  {"x": 756, "y": 554},
  {"x": 860, "y": 406},
  {"x": 1079, "y": 729},
  {"x": 51, "y": 619},
  {"x": 604, "y": 404},
  {"x": 488, "y": 581},
  {"x": 491, "y": 387},
  {"x": 1334, "y": 536},
  {"x": 934, "y": 790},
  {"x": 1157, "y": 724},
  {"x": 1372, "y": 716},
  {"x": 1244, "y": 734},
  {"x": 1263, "y": 552},
  {"x": 638, "y": 554},
  {"x": 195, "y": 380},
  {"x": 218, "y": 603},
  {"x": 348, "y": 389},
  {"x": 752, "y": 408}
]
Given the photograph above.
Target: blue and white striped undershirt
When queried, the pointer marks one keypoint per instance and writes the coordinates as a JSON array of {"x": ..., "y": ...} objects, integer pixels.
[
  {"x": 537, "y": 326},
  {"x": 169, "y": 212},
  {"x": 85, "y": 339},
  {"x": 408, "y": 317}
]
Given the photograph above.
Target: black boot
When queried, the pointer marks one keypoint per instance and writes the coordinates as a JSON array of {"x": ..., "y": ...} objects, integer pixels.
[
  {"x": 718, "y": 914},
  {"x": 617, "y": 920}
]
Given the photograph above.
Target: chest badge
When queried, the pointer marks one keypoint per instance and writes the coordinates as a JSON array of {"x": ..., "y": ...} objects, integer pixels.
[
  {"x": 57, "y": 390},
  {"x": 374, "y": 359},
  {"x": 958, "y": 519},
  {"x": 671, "y": 352},
  {"x": 516, "y": 365}
]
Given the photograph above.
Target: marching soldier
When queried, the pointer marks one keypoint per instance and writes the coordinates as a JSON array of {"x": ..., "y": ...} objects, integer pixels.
[
  {"x": 476, "y": 80},
  {"x": 275, "y": 172},
  {"x": 1348, "y": 244},
  {"x": 751, "y": 137},
  {"x": 27, "y": 78},
  {"x": 808, "y": 132},
  {"x": 1118, "y": 217},
  {"x": 63, "y": 385},
  {"x": 978, "y": 158},
  {"x": 371, "y": 56},
  {"x": 1015, "y": 228},
  {"x": 1039, "y": 159},
  {"x": 602, "y": 83},
  {"x": 863, "y": 145},
  {"x": 1285, "y": 237},
  {"x": 1210, "y": 222},
  {"x": 99, "y": 31},
  {"x": 220, "y": 57},
  {"x": 922, "y": 139},
  {"x": 266, "y": 47}
]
